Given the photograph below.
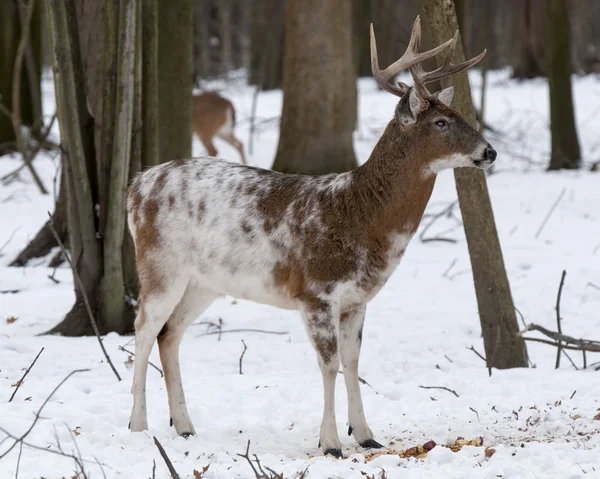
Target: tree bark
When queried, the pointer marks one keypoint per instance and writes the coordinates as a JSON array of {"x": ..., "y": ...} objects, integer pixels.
[
  {"x": 565, "y": 144},
  {"x": 266, "y": 43},
  {"x": 531, "y": 47},
  {"x": 113, "y": 285},
  {"x": 85, "y": 250},
  {"x": 319, "y": 89},
  {"x": 496, "y": 309},
  {"x": 175, "y": 72},
  {"x": 30, "y": 96}
]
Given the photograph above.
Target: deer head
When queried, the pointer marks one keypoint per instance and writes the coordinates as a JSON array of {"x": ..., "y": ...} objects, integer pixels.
[{"x": 445, "y": 140}]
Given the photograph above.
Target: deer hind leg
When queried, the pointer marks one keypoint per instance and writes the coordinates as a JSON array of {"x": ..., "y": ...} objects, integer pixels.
[
  {"x": 321, "y": 324},
  {"x": 233, "y": 141},
  {"x": 154, "y": 311},
  {"x": 351, "y": 326},
  {"x": 208, "y": 145},
  {"x": 193, "y": 304}
]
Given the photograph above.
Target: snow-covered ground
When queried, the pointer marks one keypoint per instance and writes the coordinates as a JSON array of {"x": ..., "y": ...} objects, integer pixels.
[{"x": 540, "y": 421}]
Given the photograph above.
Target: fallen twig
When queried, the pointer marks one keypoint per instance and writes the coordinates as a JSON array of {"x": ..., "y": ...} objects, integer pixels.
[
  {"x": 570, "y": 343},
  {"x": 121, "y": 348},
  {"x": 552, "y": 208},
  {"x": 20, "y": 381},
  {"x": 440, "y": 387},
  {"x": 212, "y": 333},
  {"x": 172, "y": 470},
  {"x": 560, "y": 288},
  {"x": 242, "y": 356},
  {"x": 9, "y": 239},
  {"x": 260, "y": 473},
  {"x": 37, "y": 414},
  {"x": 83, "y": 293},
  {"x": 472, "y": 348},
  {"x": 362, "y": 381}
]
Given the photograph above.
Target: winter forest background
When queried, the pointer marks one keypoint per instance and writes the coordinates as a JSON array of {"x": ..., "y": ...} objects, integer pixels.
[{"x": 486, "y": 338}]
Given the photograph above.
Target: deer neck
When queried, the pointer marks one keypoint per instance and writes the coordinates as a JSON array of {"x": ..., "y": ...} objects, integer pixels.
[{"x": 393, "y": 185}]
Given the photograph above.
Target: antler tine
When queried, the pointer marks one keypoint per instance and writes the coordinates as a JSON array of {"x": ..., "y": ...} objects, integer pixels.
[
  {"x": 447, "y": 69},
  {"x": 411, "y": 57}
]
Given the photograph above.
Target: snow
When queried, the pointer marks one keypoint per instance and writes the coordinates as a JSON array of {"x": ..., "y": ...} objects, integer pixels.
[{"x": 539, "y": 420}]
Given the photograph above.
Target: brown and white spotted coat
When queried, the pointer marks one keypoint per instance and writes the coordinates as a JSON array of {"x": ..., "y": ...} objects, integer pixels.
[{"x": 322, "y": 245}]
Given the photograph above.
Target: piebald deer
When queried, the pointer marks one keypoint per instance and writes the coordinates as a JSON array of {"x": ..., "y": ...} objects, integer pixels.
[
  {"x": 322, "y": 245},
  {"x": 215, "y": 116}
]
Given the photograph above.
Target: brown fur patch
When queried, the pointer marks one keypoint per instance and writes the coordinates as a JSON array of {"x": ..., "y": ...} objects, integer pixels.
[{"x": 327, "y": 348}]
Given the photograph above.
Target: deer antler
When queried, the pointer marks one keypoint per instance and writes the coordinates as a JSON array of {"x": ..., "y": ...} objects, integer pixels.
[{"x": 411, "y": 60}]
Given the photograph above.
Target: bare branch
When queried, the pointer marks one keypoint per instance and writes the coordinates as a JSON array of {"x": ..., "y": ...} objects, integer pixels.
[
  {"x": 571, "y": 343},
  {"x": 242, "y": 331},
  {"x": 151, "y": 364},
  {"x": 549, "y": 214},
  {"x": 37, "y": 414},
  {"x": 20, "y": 381},
  {"x": 83, "y": 293},
  {"x": 558, "y": 319},
  {"x": 172, "y": 470},
  {"x": 242, "y": 356},
  {"x": 260, "y": 473},
  {"x": 440, "y": 387}
]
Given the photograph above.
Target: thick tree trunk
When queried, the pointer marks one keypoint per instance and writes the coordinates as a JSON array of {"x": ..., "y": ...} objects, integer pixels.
[
  {"x": 565, "y": 144},
  {"x": 362, "y": 18},
  {"x": 85, "y": 250},
  {"x": 175, "y": 72},
  {"x": 496, "y": 309},
  {"x": 531, "y": 47},
  {"x": 319, "y": 89},
  {"x": 266, "y": 43}
]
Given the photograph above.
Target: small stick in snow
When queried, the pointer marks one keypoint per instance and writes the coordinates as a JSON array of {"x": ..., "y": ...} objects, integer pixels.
[
  {"x": 592, "y": 285},
  {"x": 573, "y": 395},
  {"x": 9, "y": 239},
  {"x": 212, "y": 333},
  {"x": 440, "y": 387},
  {"x": 82, "y": 290},
  {"x": 549, "y": 214},
  {"x": 475, "y": 413},
  {"x": 478, "y": 353},
  {"x": 37, "y": 414},
  {"x": 362, "y": 381},
  {"x": 20, "y": 381},
  {"x": 560, "y": 288},
  {"x": 242, "y": 356},
  {"x": 172, "y": 470},
  {"x": 151, "y": 364},
  {"x": 260, "y": 474},
  {"x": 153, "y": 469}
]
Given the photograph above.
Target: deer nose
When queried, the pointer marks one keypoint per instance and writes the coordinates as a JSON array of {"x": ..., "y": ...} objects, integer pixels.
[{"x": 490, "y": 154}]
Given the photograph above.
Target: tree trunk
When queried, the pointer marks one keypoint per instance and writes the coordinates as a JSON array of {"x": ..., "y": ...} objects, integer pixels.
[
  {"x": 531, "y": 51},
  {"x": 496, "y": 309},
  {"x": 362, "y": 17},
  {"x": 175, "y": 72},
  {"x": 85, "y": 250},
  {"x": 226, "y": 34},
  {"x": 30, "y": 102},
  {"x": 319, "y": 89},
  {"x": 565, "y": 145},
  {"x": 266, "y": 44},
  {"x": 113, "y": 284}
]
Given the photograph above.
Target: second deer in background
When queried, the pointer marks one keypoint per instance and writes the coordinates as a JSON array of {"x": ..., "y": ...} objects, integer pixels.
[{"x": 215, "y": 116}]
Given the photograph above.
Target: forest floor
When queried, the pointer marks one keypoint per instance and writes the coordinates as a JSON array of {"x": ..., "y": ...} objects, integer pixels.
[{"x": 541, "y": 422}]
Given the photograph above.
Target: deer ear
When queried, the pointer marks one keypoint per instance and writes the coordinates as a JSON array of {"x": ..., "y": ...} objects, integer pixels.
[
  {"x": 445, "y": 95},
  {"x": 409, "y": 107}
]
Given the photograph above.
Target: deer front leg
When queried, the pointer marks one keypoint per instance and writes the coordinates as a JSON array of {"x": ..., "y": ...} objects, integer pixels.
[
  {"x": 351, "y": 326},
  {"x": 321, "y": 324}
]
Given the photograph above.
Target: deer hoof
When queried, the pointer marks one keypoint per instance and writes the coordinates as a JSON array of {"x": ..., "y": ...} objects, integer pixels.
[
  {"x": 337, "y": 453},
  {"x": 186, "y": 435},
  {"x": 350, "y": 429},
  {"x": 371, "y": 444}
]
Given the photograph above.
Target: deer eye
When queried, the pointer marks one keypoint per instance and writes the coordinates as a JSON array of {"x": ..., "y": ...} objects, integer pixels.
[{"x": 442, "y": 124}]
